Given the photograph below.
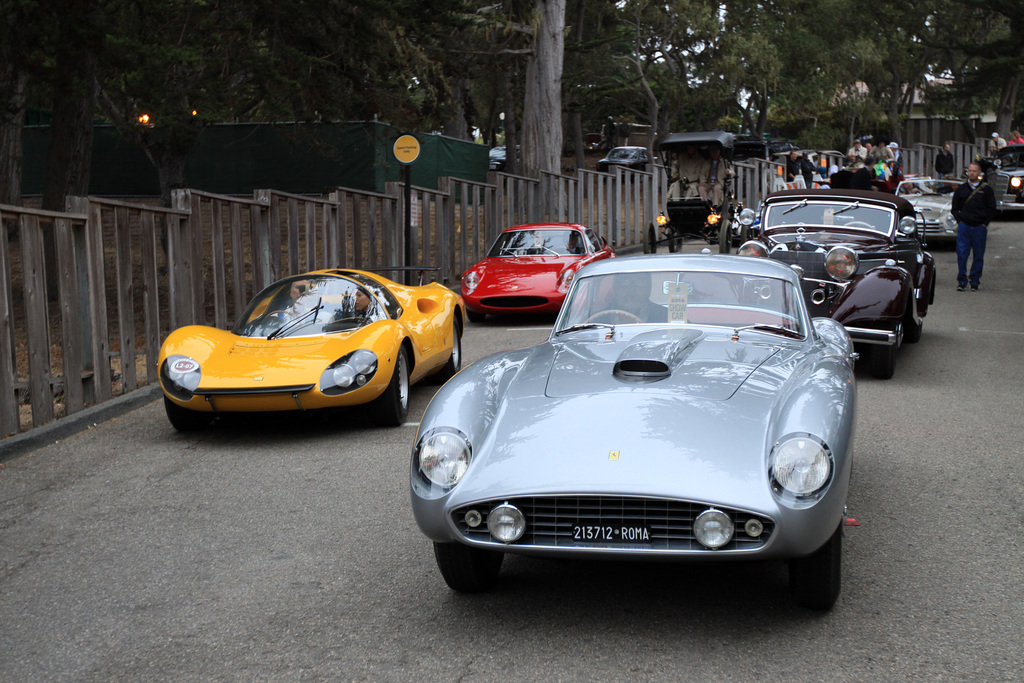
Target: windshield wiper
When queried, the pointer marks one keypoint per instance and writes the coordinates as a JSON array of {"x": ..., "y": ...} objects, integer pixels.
[
  {"x": 794, "y": 208},
  {"x": 855, "y": 205},
  {"x": 291, "y": 324},
  {"x": 764, "y": 327},
  {"x": 583, "y": 326}
]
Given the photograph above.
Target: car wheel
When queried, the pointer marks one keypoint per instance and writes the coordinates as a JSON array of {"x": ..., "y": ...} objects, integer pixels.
[
  {"x": 883, "y": 361},
  {"x": 475, "y": 317},
  {"x": 454, "y": 363},
  {"x": 649, "y": 240},
  {"x": 185, "y": 420},
  {"x": 674, "y": 243},
  {"x": 815, "y": 580},
  {"x": 724, "y": 237},
  {"x": 466, "y": 569},
  {"x": 390, "y": 408}
]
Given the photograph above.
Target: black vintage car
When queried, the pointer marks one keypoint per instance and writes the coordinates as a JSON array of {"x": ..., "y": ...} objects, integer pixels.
[
  {"x": 628, "y": 157},
  {"x": 1005, "y": 173},
  {"x": 861, "y": 262},
  {"x": 689, "y": 214}
]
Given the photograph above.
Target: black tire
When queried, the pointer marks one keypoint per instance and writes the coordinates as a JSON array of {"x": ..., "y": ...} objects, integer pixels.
[
  {"x": 454, "y": 363},
  {"x": 475, "y": 317},
  {"x": 185, "y": 420},
  {"x": 649, "y": 240},
  {"x": 883, "y": 361},
  {"x": 466, "y": 569},
  {"x": 724, "y": 237},
  {"x": 391, "y": 408},
  {"x": 674, "y": 243},
  {"x": 815, "y": 580}
]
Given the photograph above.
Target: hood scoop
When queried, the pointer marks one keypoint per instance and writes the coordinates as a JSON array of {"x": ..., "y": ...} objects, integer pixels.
[{"x": 651, "y": 356}]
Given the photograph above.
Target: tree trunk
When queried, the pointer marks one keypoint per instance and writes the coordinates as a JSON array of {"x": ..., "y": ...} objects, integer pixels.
[
  {"x": 1007, "y": 105},
  {"x": 12, "y": 118},
  {"x": 542, "y": 104},
  {"x": 511, "y": 127}
]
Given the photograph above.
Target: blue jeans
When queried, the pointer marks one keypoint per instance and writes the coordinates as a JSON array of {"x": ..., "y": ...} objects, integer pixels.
[{"x": 970, "y": 238}]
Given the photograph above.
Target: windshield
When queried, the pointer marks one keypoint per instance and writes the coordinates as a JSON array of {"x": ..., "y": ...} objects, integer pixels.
[
  {"x": 306, "y": 306},
  {"x": 683, "y": 298},
  {"x": 926, "y": 187},
  {"x": 1011, "y": 158},
  {"x": 848, "y": 215},
  {"x": 538, "y": 243},
  {"x": 622, "y": 153}
]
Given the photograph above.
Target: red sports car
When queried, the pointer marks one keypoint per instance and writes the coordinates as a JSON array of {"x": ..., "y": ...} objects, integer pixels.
[{"x": 529, "y": 269}]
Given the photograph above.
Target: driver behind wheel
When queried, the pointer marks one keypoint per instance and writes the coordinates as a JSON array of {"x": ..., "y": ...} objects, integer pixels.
[{"x": 631, "y": 292}]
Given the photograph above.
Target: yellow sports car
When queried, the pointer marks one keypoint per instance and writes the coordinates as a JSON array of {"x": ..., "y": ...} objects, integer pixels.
[{"x": 323, "y": 339}]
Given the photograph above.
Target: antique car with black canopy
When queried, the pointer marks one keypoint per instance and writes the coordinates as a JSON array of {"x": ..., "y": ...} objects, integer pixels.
[{"x": 700, "y": 203}]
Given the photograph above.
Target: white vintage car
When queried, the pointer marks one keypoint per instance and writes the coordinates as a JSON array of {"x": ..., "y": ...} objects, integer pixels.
[{"x": 932, "y": 198}]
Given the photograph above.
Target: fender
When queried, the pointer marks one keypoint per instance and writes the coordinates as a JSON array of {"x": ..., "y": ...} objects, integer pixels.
[
  {"x": 880, "y": 294},
  {"x": 925, "y": 284}
]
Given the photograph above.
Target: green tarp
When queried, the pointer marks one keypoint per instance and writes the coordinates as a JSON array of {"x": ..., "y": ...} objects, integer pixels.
[{"x": 236, "y": 159}]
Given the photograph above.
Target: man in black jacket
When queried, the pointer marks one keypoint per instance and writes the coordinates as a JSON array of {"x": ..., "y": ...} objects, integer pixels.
[
  {"x": 974, "y": 207},
  {"x": 944, "y": 163}
]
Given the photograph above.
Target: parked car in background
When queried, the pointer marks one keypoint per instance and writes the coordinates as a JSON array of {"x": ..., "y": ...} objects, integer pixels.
[
  {"x": 932, "y": 198},
  {"x": 748, "y": 147},
  {"x": 325, "y": 339},
  {"x": 1006, "y": 176},
  {"x": 861, "y": 262},
  {"x": 684, "y": 408},
  {"x": 497, "y": 158},
  {"x": 529, "y": 269},
  {"x": 628, "y": 157}
]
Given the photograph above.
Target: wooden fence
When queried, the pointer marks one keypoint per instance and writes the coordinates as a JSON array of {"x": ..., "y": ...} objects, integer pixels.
[{"x": 86, "y": 324}]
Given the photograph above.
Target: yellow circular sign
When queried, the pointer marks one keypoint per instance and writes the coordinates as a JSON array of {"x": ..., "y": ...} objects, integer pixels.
[{"x": 407, "y": 149}]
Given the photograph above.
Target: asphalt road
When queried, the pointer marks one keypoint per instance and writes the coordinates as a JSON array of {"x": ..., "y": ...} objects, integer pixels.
[{"x": 286, "y": 550}]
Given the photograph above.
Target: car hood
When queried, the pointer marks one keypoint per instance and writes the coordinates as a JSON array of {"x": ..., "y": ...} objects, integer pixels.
[
  {"x": 933, "y": 203},
  {"x": 570, "y": 423},
  {"x": 522, "y": 272},
  {"x": 229, "y": 361}
]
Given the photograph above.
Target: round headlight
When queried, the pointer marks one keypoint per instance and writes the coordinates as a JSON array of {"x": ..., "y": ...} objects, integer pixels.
[
  {"x": 800, "y": 465},
  {"x": 1015, "y": 182},
  {"x": 181, "y": 376},
  {"x": 713, "y": 528},
  {"x": 506, "y": 523},
  {"x": 351, "y": 371},
  {"x": 907, "y": 225},
  {"x": 662, "y": 219},
  {"x": 471, "y": 281},
  {"x": 841, "y": 262},
  {"x": 444, "y": 456},
  {"x": 746, "y": 217},
  {"x": 950, "y": 221},
  {"x": 753, "y": 248}
]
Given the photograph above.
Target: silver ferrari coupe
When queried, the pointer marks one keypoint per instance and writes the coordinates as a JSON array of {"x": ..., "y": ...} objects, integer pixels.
[{"x": 684, "y": 408}]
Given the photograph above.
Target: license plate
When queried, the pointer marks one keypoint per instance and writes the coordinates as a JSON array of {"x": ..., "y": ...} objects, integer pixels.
[{"x": 611, "y": 534}]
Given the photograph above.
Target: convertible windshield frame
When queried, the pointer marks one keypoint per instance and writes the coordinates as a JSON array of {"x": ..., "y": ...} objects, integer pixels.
[
  {"x": 309, "y": 305},
  {"x": 673, "y": 298},
  {"x": 807, "y": 214}
]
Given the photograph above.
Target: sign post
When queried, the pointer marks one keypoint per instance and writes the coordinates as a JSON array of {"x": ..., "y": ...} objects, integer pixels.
[{"x": 407, "y": 150}]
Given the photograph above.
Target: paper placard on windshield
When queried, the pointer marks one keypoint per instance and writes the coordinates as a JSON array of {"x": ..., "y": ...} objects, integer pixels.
[{"x": 678, "y": 297}]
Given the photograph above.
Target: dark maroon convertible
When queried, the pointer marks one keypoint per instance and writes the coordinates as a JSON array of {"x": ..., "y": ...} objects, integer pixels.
[{"x": 861, "y": 263}]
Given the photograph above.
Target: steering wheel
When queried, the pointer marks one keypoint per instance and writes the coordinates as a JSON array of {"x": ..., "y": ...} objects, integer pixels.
[
  {"x": 859, "y": 224},
  {"x": 613, "y": 312}
]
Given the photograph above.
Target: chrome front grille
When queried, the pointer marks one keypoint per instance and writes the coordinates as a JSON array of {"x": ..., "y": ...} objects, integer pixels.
[
  {"x": 550, "y": 522},
  {"x": 812, "y": 262}
]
